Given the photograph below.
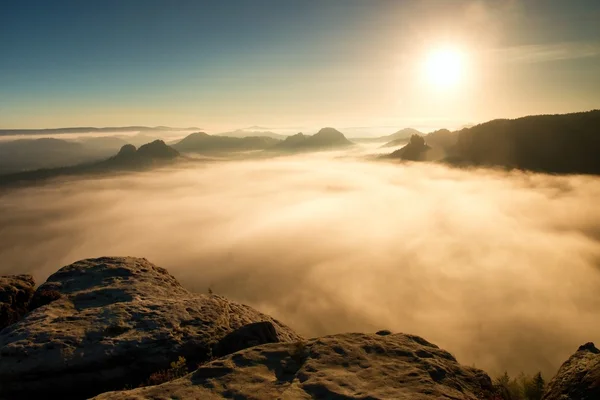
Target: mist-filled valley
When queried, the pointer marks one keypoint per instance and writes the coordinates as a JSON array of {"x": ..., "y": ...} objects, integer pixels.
[{"x": 501, "y": 268}]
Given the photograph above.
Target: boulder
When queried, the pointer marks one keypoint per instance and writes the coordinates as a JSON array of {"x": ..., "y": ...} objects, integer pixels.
[
  {"x": 578, "y": 378},
  {"x": 107, "y": 323},
  {"x": 15, "y": 294},
  {"x": 247, "y": 336},
  {"x": 344, "y": 366}
]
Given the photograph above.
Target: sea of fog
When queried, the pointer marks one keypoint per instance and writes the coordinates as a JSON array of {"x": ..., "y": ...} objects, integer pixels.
[{"x": 500, "y": 268}]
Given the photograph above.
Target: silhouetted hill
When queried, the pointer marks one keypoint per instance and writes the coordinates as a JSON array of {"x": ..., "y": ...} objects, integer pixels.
[
  {"x": 201, "y": 142},
  {"x": 394, "y": 143},
  {"x": 140, "y": 139},
  {"x": 442, "y": 138},
  {"x": 147, "y": 154},
  {"x": 568, "y": 143},
  {"x": 415, "y": 150},
  {"x": 127, "y": 159},
  {"x": 27, "y": 154},
  {"x": 405, "y": 133},
  {"x": 243, "y": 133},
  {"x": 44, "y": 144},
  {"x": 157, "y": 150},
  {"x": 325, "y": 139},
  {"x": 401, "y": 136}
]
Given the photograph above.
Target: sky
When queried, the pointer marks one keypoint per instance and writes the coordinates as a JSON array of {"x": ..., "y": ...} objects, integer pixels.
[{"x": 294, "y": 65}]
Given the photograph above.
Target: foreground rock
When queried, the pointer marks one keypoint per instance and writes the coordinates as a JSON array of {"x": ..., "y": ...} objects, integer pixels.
[
  {"x": 578, "y": 378},
  {"x": 110, "y": 323},
  {"x": 15, "y": 294},
  {"x": 345, "y": 366}
]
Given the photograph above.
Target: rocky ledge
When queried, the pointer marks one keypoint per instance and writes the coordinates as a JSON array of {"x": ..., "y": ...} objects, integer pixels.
[
  {"x": 15, "y": 295},
  {"x": 99, "y": 326},
  {"x": 345, "y": 366},
  {"x": 112, "y": 322}
]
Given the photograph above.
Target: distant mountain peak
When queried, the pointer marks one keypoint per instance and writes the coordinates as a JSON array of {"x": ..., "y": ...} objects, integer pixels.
[
  {"x": 153, "y": 150},
  {"x": 326, "y": 138},
  {"x": 252, "y": 131},
  {"x": 126, "y": 150},
  {"x": 157, "y": 149},
  {"x": 254, "y": 128},
  {"x": 198, "y": 135},
  {"x": 329, "y": 131}
]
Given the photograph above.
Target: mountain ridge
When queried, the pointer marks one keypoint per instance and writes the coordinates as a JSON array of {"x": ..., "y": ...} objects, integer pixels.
[{"x": 325, "y": 139}]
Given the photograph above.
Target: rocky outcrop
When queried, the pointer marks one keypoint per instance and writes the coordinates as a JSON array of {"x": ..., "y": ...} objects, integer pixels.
[
  {"x": 247, "y": 336},
  {"x": 106, "y": 323},
  {"x": 146, "y": 154},
  {"x": 15, "y": 294},
  {"x": 578, "y": 378},
  {"x": 201, "y": 142},
  {"x": 325, "y": 139},
  {"x": 157, "y": 150},
  {"x": 345, "y": 366},
  {"x": 415, "y": 150}
]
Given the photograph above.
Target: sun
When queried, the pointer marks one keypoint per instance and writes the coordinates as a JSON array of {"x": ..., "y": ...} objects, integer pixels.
[{"x": 444, "y": 67}]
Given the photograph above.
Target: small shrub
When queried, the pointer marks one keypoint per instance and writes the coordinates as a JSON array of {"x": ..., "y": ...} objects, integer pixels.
[{"x": 178, "y": 369}]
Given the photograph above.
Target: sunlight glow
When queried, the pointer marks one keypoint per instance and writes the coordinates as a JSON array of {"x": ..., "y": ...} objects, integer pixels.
[{"x": 444, "y": 67}]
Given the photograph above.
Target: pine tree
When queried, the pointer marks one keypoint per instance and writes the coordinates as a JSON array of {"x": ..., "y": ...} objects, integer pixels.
[{"x": 534, "y": 390}]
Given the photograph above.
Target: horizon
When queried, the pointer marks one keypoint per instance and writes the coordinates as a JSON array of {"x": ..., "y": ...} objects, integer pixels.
[
  {"x": 427, "y": 65},
  {"x": 370, "y": 131}
]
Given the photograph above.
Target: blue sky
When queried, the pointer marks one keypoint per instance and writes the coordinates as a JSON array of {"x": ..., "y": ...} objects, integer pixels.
[{"x": 283, "y": 63}]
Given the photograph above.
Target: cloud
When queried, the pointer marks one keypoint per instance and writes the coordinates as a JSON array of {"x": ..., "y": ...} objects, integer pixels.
[
  {"x": 539, "y": 53},
  {"x": 501, "y": 269}
]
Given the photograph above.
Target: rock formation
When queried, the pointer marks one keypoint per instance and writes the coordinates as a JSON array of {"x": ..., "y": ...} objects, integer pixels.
[
  {"x": 578, "y": 378},
  {"x": 99, "y": 326},
  {"x": 15, "y": 294},
  {"x": 325, "y": 139},
  {"x": 345, "y": 366},
  {"x": 201, "y": 142},
  {"x": 415, "y": 150},
  {"x": 111, "y": 322}
]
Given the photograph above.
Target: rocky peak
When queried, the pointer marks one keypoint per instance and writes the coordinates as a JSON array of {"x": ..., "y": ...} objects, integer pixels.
[
  {"x": 330, "y": 133},
  {"x": 157, "y": 149},
  {"x": 578, "y": 378},
  {"x": 127, "y": 150}
]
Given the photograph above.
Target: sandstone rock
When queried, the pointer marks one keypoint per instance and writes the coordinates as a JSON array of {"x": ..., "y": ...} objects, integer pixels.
[
  {"x": 415, "y": 150},
  {"x": 345, "y": 366},
  {"x": 15, "y": 294},
  {"x": 578, "y": 378},
  {"x": 115, "y": 321},
  {"x": 247, "y": 336}
]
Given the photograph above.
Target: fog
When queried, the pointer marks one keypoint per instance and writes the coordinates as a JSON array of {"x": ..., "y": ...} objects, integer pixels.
[{"x": 500, "y": 268}]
